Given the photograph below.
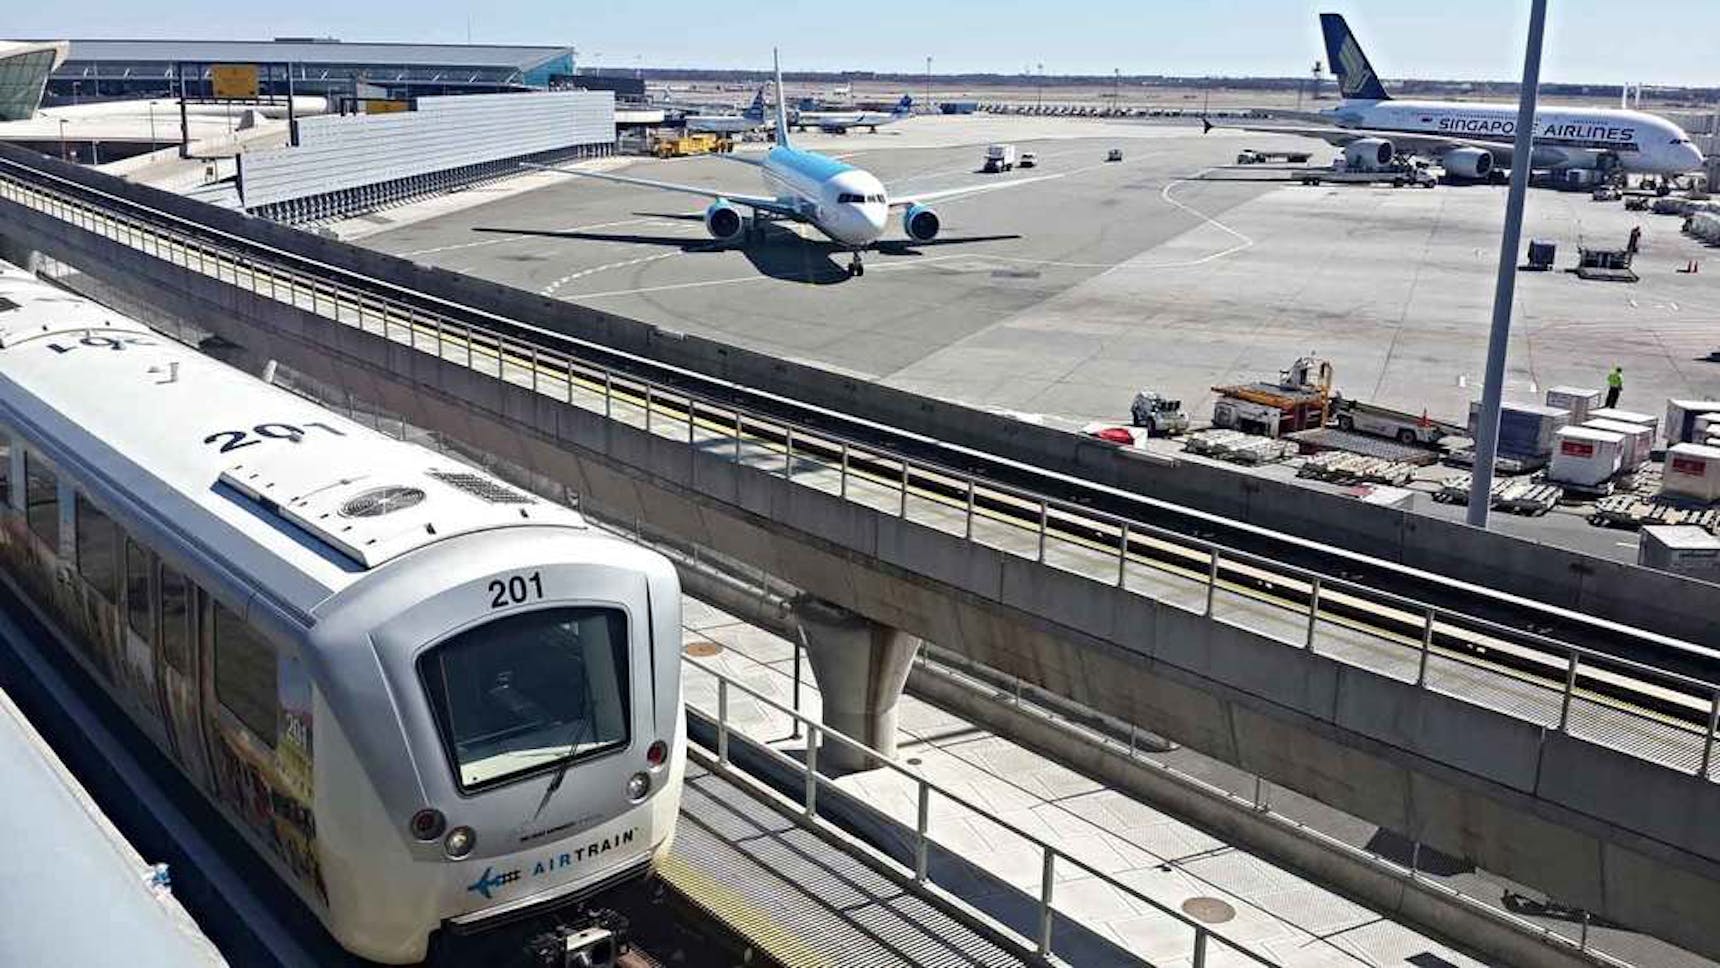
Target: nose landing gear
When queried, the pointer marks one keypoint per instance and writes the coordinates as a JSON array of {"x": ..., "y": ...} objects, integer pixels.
[{"x": 856, "y": 267}]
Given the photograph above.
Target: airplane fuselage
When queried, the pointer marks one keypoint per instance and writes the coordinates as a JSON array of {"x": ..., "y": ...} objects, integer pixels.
[
  {"x": 1564, "y": 137},
  {"x": 846, "y": 203},
  {"x": 724, "y": 123}
]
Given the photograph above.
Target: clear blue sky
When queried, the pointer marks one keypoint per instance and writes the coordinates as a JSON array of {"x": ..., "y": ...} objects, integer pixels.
[{"x": 1588, "y": 40}]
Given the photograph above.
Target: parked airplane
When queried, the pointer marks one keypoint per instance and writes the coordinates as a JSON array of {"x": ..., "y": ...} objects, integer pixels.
[
  {"x": 1471, "y": 139},
  {"x": 847, "y": 204},
  {"x": 752, "y": 119},
  {"x": 838, "y": 122}
]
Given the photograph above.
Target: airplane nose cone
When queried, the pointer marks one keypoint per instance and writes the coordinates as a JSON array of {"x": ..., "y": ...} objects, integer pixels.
[{"x": 1692, "y": 158}]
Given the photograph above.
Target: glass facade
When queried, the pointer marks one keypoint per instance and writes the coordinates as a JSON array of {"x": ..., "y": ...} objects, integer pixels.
[{"x": 21, "y": 78}]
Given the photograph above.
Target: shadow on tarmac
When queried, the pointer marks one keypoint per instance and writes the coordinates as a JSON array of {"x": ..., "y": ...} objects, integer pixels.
[{"x": 773, "y": 249}]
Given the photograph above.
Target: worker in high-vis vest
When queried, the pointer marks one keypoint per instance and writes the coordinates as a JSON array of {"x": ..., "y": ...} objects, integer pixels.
[{"x": 1615, "y": 385}]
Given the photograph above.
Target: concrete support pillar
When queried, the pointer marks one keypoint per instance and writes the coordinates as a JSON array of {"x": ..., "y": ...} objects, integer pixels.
[{"x": 861, "y": 668}]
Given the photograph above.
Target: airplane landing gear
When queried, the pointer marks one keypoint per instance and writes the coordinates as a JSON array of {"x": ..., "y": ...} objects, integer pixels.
[{"x": 856, "y": 267}]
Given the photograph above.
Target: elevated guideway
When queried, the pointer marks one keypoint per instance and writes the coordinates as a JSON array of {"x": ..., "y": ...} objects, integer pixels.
[{"x": 1563, "y": 751}]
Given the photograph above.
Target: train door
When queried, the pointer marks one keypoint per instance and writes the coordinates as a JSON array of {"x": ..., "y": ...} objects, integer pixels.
[{"x": 178, "y": 600}]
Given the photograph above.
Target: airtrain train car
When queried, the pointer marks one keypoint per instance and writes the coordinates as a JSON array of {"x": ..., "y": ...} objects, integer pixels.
[{"x": 427, "y": 699}]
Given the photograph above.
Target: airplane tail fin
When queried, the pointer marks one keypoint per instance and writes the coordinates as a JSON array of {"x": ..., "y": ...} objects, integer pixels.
[
  {"x": 1356, "y": 77},
  {"x": 781, "y": 101},
  {"x": 755, "y": 111},
  {"x": 905, "y": 106}
]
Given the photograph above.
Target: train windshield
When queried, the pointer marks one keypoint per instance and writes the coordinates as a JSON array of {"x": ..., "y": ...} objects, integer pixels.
[{"x": 527, "y": 692}]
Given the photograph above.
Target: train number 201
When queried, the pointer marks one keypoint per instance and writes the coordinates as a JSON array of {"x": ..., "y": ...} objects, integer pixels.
[
  {"x": 231, "y": 440},
  {"x": 516, "y": 590}
]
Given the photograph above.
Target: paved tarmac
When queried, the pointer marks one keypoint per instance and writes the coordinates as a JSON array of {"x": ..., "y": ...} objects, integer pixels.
[
  {"x": 1172, "y": 270},
  {"x": 1064, "y": 295}
]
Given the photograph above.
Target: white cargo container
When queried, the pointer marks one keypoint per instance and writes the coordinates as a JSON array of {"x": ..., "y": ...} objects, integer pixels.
[
  {"x": 1648, "y": 420},
  {"x": 1681, "y": 419},
  {"x": 1638, "y": 440},
  {"x": 1585, "y": 457},
  {"x": 1578, "y": 400},
  {"x": 1682, "y": 549},
  {"x": 1692, "y": 471}
]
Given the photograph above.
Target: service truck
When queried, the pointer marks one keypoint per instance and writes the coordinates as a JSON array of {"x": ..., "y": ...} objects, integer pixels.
[
  {"x": 1160, "y": 415},
  {"x": 999, "y": 157}
]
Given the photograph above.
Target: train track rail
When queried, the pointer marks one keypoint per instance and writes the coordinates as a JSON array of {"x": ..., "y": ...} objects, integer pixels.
[{"x": 1654, "y": 695}]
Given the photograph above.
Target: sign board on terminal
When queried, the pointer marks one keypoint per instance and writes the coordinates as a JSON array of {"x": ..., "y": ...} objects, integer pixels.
[{"x": 234, "y": 80}]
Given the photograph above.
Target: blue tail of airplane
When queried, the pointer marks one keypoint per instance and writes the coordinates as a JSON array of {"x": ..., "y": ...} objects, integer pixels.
[
  {"x": 781, "y": 102},
  {"x": 755, "y": 111},
  {"x": 904, "y": 107},
  {"x": 1356, "y": 77}
]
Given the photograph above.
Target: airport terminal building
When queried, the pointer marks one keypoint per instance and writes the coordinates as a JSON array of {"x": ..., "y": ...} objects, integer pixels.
[
  {"x": 24, "y": 69},
  {"x": 104, "y": 69}
]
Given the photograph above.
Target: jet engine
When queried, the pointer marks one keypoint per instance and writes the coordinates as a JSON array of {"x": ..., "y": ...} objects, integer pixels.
[
  {"x": 1468, "y": 163},
  {"x": 1368, "y": 154},
  {"x": 921, "y": 223},
  {"x": 724, "y": 221}
]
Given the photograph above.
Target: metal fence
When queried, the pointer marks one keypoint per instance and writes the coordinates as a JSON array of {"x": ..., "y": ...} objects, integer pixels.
[
  {"x": 1202, "y": 939},
  {"x": 1662, "y": 716}
]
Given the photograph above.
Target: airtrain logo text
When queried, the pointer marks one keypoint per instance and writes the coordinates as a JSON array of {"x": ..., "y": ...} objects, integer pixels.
[{"x": 486, "y": 884}]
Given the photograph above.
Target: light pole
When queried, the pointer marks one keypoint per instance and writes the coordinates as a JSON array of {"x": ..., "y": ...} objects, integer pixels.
[
  {"x": 63, "y": 139},
  {"x": 152, "y": 144},
  {"x": 1040, "y": 100},
  {"x": 928, "y": 83},
  {"x": 1505, "y": 288}
]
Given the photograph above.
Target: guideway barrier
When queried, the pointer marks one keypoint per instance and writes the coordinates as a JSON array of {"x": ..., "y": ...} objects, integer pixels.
[
  {"x": 1450, "y": 658},
  {"x": 1676, "y": 717}
]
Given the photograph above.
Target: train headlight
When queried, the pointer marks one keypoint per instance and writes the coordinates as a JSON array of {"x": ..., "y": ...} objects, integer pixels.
[
  {"x": 657, "y": 754},
  {"x": 459, "y": 842},
  {"x": 638, "y": 785},
  {"x": 428, "y": 824}
]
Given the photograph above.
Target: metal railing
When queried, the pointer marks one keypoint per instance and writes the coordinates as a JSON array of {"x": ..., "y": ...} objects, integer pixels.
[
  {"x": 1069, "y": 535},
  {"x": 1052, "y": 859},
  {"x": 1105, "y": 732}
]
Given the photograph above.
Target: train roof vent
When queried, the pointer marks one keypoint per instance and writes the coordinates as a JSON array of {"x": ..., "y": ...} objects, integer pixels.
[
  {"x": 378, "y": 501},
  {"x": 482, "y": 488},
  {"x": 366, "y": 516}
]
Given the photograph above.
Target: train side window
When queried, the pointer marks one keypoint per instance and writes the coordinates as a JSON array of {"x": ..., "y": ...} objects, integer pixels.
[
  {"x": 98, "y": 548},
  {"x": 5, "y": 471},
  {"x": 42, "y": 500},
  {"x": 245, "y": 674},
  {"x": 137, "y": 600},
  {"x": 175, "y": 629}
]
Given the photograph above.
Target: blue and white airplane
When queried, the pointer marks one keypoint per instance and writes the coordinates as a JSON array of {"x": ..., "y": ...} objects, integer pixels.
[
  {"x": 1470, "y": 139},
  {"x": 752, "y": 119},
  {"x": 838, "y": 122},
  {"x": 847, "y": 204}
]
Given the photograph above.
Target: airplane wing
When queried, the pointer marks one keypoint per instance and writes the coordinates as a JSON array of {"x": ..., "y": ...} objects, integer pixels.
[
  {"x": 772, "y": 205},
  {"x": 945, "y": 194},
  {"x": 1430, "y": 145}
]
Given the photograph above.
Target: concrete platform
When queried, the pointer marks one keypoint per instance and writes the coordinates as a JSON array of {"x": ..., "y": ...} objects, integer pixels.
[
  {"x": 1287, "y": 919},
  {"x": 1292, "y": 920}
]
